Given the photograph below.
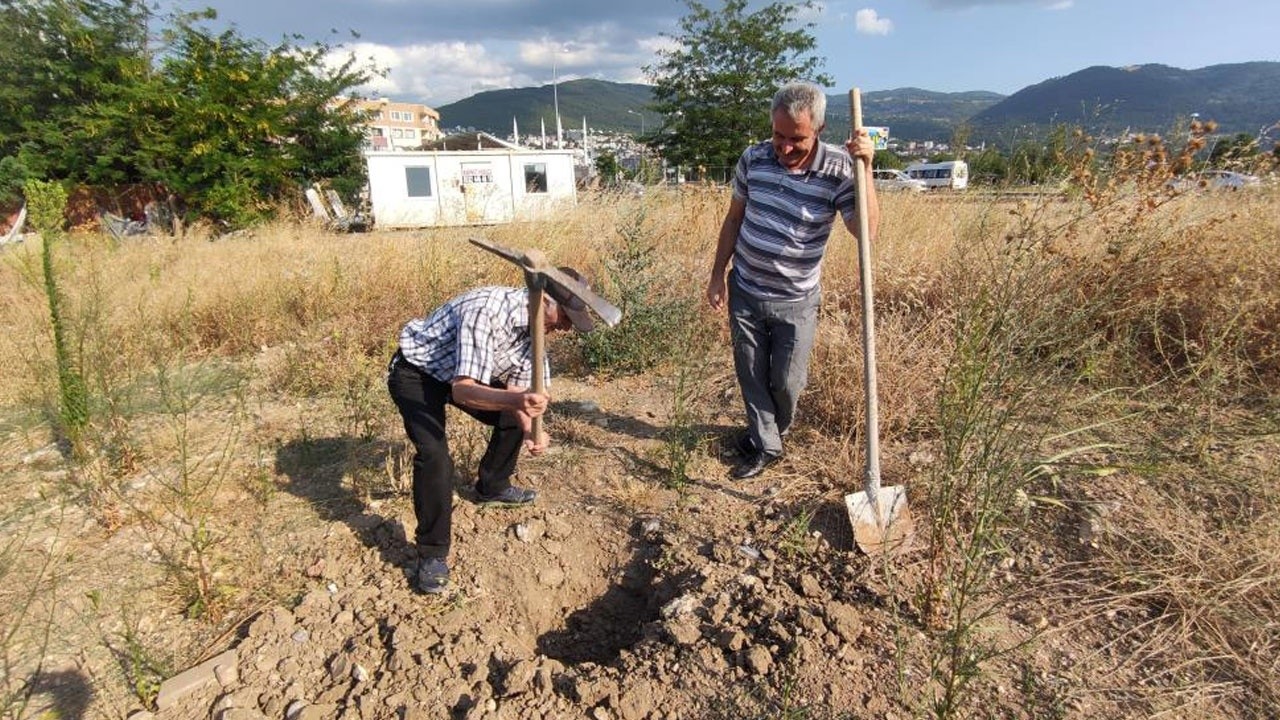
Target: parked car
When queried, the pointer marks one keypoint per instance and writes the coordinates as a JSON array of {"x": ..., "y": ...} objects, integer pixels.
[
  {"x": 1215, "y": 180},
  {"x": 892, "y": 180}
]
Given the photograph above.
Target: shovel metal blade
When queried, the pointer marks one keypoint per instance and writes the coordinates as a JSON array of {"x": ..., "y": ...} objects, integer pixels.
[{"x": 887, "y": 533}]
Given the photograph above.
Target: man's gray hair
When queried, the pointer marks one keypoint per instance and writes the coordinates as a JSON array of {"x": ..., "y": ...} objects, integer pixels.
[{"x": 798, "y": 98}]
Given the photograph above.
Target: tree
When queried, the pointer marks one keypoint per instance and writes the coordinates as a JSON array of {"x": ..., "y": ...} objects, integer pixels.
[
  {"x": 714, "y": 88},
  {"x": 607, "y": 166},
  {"x": 960, "y": 139},
  {"x": 72, "y": 56},
  {"x": 888, "y": 159},
  {"x": 1037, "y": 162},
  {"x": 989, "y": 166},
  {"x": 240, "y": 125},
  {"x": 1234, "y": 149},
  {"x": 232, "y": 126}
]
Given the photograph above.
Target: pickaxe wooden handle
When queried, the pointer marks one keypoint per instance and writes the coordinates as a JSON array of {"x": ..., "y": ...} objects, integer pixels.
[
  {"x": 537, "y": 272},
  {"x": 535, "y": 278}
]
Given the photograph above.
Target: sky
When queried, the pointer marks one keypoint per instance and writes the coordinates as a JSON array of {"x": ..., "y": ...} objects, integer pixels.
[{"x": 441, "y": 51}]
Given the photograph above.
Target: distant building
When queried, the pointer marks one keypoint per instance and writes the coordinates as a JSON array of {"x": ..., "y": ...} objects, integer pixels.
[
  {"x": 399, "y": 125},
  {"x": 468, "y": 179}
]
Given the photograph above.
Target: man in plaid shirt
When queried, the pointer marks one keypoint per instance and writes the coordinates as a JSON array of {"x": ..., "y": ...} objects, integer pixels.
[{"x": 474, "y": 352}]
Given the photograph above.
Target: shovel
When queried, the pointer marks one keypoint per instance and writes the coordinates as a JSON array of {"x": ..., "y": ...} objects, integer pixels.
[
  {"x": 537, "y": 271},
  {"x": 880, "y": 517}
]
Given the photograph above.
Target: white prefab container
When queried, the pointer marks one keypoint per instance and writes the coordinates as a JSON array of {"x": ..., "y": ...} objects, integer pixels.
[
  {"x": 409, "y": 189},
  {"x": 953, "y": 174}
]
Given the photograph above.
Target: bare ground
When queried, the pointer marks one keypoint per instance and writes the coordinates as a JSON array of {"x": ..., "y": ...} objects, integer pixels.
[{"x": 615, "y": 596}]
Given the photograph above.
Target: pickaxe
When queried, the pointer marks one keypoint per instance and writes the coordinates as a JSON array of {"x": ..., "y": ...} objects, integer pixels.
[{"x": 537, "y": 271}]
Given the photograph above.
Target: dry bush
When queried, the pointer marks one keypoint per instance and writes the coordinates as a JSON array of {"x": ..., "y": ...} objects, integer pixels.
[
  {"x": 1191, "y": 297},
  {"x": 1187, "y": 572},
  {"x": 1198, "y": 268},
  {"x": 1213, "y": 595},
  {"x": 916, "y": 234},
  {"x": 993, "y": 319}
]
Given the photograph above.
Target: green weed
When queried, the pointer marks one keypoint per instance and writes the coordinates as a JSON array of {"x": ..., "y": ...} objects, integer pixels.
[{"x": 655, "y": 323}]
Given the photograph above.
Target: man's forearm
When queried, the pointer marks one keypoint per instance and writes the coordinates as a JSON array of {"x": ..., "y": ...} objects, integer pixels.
[
  {"x": 729, "y": 230},
  {"x": 483, "y": 397}
]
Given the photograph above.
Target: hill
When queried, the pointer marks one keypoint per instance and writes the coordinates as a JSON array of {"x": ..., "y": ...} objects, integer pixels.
[
  {"x": 1241, "y": 97},
  {"x": 606, "y": 105},
  {"x": 910, "y": 112}
]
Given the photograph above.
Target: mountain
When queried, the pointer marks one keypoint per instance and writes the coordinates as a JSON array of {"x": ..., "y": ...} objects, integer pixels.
[
  {"x": 1241, "y": 97},
  {"x": 606, "y": 105},
  {"x": 909, "y": 112}
]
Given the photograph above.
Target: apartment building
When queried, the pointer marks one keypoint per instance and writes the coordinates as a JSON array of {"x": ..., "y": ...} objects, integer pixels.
[{"x": 400, "y": 125}]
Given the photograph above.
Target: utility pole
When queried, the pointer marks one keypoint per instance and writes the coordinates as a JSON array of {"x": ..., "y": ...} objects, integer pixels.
[{"x": 555, "y": 96}]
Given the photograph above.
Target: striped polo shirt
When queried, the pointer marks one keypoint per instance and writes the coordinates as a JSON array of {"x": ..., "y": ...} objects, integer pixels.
[
  {"x": 482, "y": 334},
  {"x": 789, "y": 215}
]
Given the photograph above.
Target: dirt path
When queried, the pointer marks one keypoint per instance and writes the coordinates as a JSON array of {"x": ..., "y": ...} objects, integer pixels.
[{"x": 613, "y": 597}]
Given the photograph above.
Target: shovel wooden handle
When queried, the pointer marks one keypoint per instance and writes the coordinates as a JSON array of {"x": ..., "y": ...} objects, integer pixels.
[{"x": 872, "y": 480}]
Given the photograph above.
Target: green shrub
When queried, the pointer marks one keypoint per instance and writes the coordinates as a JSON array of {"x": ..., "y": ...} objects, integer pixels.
[{"x": 655, "y": 325}]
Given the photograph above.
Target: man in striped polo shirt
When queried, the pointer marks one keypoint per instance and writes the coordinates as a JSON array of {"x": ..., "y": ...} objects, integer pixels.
[
  {"x": 474, "y": 353},
  {"x": 786, "y": 194}
]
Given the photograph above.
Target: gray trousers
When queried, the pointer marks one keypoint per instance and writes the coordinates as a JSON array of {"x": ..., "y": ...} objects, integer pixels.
[{"x": 772, "y": 341}]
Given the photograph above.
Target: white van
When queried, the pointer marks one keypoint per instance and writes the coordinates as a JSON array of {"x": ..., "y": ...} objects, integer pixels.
[{"x": 953, "y": 174}]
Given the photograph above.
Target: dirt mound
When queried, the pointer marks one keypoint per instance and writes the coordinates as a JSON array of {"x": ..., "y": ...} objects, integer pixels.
[
  {"x": 667, "y": 604},
  {"x": 553, "y": 617}
]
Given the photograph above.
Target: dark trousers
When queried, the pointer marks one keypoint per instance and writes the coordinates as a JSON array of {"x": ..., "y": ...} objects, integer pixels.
[{"x": 421, "y": 400}]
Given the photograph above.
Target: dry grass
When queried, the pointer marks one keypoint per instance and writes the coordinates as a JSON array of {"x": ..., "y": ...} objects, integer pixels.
[{"x": 1177, "y": 297}]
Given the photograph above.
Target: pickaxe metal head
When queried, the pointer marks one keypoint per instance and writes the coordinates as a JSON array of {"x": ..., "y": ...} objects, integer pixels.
[{"x": 538, "y": 269}]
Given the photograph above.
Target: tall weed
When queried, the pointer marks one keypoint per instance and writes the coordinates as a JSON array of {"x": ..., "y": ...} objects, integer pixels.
[
  {"x": 1053, "y": 308},
  {"x": 1019, "y": 338},
  {"x": 202, "y": 410},
  {"x": 48, "y": 201}
]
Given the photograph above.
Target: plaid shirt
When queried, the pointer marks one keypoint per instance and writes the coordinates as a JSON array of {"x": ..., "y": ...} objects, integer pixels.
[{"x": 482, "y": 334}]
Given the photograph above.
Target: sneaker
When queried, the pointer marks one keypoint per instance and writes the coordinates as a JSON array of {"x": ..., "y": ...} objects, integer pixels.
[
  {"x": 511, "y": 496},
  {"x": 745, "y": 446},
  {"x": 754, "y": 464},
  {"x": 432, "y": 576}
]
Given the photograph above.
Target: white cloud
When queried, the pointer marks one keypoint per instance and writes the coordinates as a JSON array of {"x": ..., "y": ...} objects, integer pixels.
[
  {"x": 437, "y": 73},
  {"x": 1062, "y": 5},
  {"x": 549, "y": 54},
  {"x": 869, "y": 22},
  {"x": 444, "y": 72},
  {"x": 651, "y": 46}
]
